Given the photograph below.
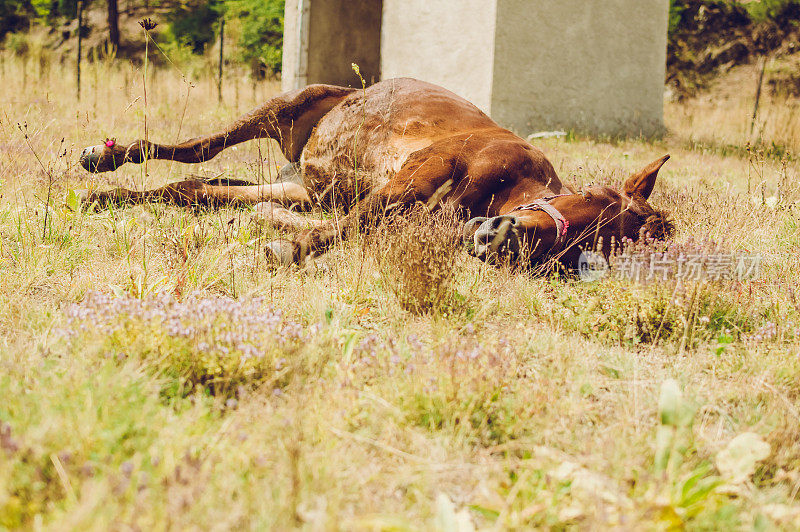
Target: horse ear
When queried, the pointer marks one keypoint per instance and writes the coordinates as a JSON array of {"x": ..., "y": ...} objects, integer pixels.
[{"x": 643, "y": 182}]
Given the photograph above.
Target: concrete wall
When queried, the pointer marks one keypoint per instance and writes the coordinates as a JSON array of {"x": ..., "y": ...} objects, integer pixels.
[
  {"x": 343, "y": 32},
  {"x": 596, "y": 66},
  {"x": 450, "y": 43},
  {"x": 323, "y": 38}
]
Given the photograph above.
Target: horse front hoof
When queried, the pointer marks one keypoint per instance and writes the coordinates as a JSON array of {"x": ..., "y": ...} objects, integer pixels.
[
  {"x": 85, "y": 200},
  {"x": 280, "y": 252},
  {"x": 96, "y": 201}
]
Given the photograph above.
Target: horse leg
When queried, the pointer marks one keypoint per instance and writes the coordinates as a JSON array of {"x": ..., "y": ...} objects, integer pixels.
[
  {"x": 425, "y": 177},
  {"x": 194, "y": 192},
  {"x": 288, "y": 119},
  {"x": 283, "y": 219}
]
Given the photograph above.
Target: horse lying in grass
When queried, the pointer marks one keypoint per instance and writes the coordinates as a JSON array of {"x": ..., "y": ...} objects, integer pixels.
[{"x": 393, "y": 144}]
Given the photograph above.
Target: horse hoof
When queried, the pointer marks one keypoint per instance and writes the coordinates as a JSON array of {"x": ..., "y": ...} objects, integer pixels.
[
  {"x": 468, "y": 232},
  {"x": 496, "y": 234},
  {"x": 90, "y": 157},
  {"x": 281, "y": 252},
  {"x": 84, "y": 199}
]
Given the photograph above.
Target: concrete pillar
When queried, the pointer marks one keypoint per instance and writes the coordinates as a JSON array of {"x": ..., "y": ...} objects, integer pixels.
[
  {"x": 594, "y": 66},
  {"x": 447, "y": 42},
  {"x": 323, "y": 38}
]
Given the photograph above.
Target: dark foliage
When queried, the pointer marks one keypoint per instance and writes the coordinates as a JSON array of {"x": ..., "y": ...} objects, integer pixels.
[
  {"x": 193, "y": 24},
  {"x": 15, "y": 15},
  {"x": 707, "y": 35}
]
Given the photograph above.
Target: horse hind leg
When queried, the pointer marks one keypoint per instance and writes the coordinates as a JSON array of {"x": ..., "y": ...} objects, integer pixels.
[
  {"x": 283, "y": 219},
  {"x": 197, "y": 193},
  {"x": 227, "y": 182},
  {"x": 288, "y": 118},
  {"x": 287, "y": 189},
  {"x": 288, "y": 173}
]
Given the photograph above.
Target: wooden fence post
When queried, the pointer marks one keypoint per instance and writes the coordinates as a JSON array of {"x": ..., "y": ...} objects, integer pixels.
[
  {"x": 221, "y": 56},
  {"x": 80, "y": 42}
]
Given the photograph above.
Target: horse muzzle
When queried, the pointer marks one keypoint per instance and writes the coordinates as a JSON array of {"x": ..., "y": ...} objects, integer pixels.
[{"x": 494, "y": 237}]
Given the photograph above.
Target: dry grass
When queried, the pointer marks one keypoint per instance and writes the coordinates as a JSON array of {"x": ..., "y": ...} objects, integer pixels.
[
  {"x": 418, "y": 258},
  {"x": 722, "y": 118},
  {"x": 537, "y": 404}
]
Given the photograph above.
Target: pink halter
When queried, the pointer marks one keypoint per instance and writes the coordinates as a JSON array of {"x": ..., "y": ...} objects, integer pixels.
[{"x": 543, "y": 204}]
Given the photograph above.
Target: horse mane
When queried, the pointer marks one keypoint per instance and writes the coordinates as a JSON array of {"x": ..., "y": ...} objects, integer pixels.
[{"x": 658, "y": 225}]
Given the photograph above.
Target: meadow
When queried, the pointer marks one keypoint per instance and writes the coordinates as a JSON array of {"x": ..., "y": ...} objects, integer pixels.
[{"x": 157, "y": 373}]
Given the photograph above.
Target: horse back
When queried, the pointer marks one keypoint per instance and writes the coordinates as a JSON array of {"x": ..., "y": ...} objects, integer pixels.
[{"x": 364, "y": 142}]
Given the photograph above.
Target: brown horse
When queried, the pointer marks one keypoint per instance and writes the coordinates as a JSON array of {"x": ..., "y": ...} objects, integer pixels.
[{"x": 395, "y": 143}]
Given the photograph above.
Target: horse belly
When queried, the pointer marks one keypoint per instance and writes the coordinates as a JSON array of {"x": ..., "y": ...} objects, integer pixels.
[{"x": 346, "y": 160}]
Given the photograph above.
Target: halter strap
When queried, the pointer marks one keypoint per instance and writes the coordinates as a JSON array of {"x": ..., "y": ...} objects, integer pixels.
[{"x": 543, "y": 204}]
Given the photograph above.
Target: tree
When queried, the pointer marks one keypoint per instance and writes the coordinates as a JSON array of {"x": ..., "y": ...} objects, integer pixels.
[
  {"x": 191, "y": 23},
  {"x": 261, "y": 39},
  {"x": 15, "y": 15},
  {"x": 113, "y": 24}
]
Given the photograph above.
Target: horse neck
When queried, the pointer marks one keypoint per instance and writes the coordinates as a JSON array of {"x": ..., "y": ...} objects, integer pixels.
[{"x": 530, "y": 190}]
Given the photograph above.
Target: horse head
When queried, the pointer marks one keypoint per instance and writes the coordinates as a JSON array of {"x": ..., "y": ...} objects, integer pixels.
[{"x": 564, "y": 225}]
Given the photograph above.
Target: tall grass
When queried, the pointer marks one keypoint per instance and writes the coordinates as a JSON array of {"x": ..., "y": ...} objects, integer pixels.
[
  {"x": 722, "y": 118},
  {"x": 510, "y": 402}
]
